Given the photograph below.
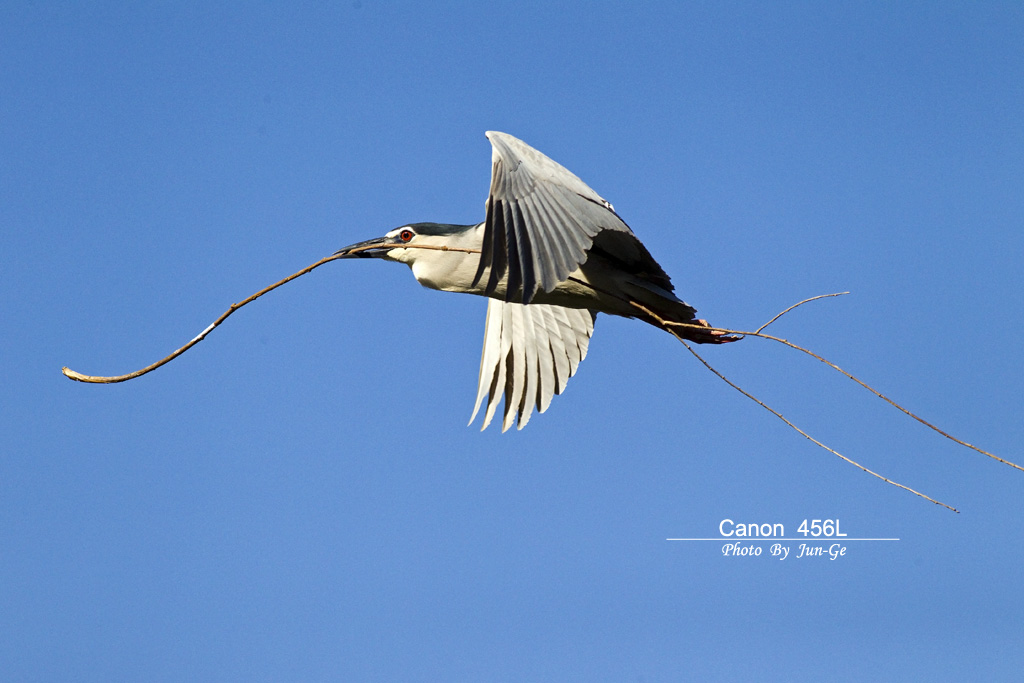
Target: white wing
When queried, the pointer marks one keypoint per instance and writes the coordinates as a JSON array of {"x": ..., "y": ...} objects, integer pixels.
[
  {"x": 530, "y": 352},
  {"x": 541, "y": 220}
]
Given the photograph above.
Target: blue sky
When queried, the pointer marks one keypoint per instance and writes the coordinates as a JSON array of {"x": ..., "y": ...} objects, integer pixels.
[{"x": 298, "y": 497}]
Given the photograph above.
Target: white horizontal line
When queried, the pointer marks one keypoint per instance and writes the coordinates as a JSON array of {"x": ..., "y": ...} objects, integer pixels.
[{"x": 815, "y": 539}]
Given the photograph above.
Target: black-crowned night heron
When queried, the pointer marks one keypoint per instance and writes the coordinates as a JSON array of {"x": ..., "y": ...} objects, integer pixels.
[{"x": 550, "y": 256}]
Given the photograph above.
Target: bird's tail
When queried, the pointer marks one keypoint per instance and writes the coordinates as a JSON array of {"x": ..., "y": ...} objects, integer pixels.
[
  {"x": 677, "y": 317},
  {"x": 708, "y": 336}
]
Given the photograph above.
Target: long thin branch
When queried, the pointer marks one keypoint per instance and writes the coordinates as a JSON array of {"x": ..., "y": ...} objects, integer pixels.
[
  {"x": 805, "y": 434},
  {"x": 832, "y": 365},
  {"x": 79, "y": 377}
]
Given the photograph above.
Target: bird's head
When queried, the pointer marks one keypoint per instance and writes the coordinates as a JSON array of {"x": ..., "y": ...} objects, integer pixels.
[
  {"x": 410, "y": 242},
  {"x": 441, "y": 255}
]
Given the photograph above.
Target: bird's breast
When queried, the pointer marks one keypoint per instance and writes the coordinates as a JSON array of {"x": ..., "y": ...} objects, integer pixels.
[{"x": 447, "y": 271}]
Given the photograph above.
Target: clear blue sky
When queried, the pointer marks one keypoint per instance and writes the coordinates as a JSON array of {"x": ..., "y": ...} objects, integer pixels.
[{"x": 298, "y": 498}]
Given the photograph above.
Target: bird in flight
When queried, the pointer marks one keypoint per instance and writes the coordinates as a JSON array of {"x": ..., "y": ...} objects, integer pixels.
[{"x": 550, "y": 255}]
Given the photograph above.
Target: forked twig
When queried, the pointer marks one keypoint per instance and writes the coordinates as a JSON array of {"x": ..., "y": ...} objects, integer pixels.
[
  {"x": 79, "y": 377},
  {"x": 805, "y": 434},
  {"x": 668, "y": 326},
  {"x": 835, "y": 367}
]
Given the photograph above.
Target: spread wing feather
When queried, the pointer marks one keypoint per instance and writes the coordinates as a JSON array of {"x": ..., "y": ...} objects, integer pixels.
[
  {"x": 529, "y": 354},
  {"x": 541, "y": 221}
]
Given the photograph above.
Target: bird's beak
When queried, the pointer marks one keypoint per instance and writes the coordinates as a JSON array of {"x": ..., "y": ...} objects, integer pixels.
[{"x": 378, "y": 247}]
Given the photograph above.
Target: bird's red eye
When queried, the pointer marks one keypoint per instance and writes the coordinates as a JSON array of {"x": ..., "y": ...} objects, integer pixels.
[{"x": 405, "y": 235}]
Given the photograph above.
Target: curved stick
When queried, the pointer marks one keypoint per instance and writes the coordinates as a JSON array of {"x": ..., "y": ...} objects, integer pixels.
[{"x": 79, "y": 377}]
